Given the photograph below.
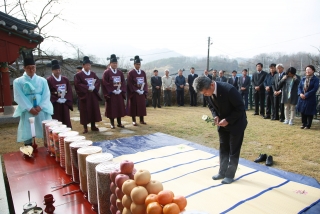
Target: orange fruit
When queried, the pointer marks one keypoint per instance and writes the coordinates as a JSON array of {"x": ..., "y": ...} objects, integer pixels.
[
  {"x": 165, "y": 197},
  {"x": 154, "y": 208},
  {"x": 171, "y": 208},
  {"x": 180, "y": 201},
  {"x": 151, "y": 198}
]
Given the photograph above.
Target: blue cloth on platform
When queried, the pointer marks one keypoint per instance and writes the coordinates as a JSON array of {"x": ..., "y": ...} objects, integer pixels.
[{"x": 27, "y": 91}]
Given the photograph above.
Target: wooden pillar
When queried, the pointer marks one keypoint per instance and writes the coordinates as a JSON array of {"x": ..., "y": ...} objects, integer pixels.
[{"x": 6, "y": 92}]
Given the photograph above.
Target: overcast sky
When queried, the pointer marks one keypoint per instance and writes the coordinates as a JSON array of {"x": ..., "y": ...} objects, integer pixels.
[{"x": 238, "y": 28}]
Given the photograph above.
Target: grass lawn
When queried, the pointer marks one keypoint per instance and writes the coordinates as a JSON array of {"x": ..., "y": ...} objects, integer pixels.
[{"x": 293, "y": 149}]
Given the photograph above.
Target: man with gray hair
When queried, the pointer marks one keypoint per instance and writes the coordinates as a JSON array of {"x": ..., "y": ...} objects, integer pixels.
[
  {"x": 228, "y": 111},
  {"x": 167, "y": 87},
  {"x": 277, "y": 93}
]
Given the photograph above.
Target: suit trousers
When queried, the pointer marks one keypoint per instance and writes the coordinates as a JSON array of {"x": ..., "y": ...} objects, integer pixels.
[
  {"x": 259, "y": 100},
  {"x": 278, "y": 105},
  {"x": 270, "y": 105},
  {"x": 230, "y": 146},
  {"x": 193, "y": 98},
  {"x": 245, "y": 99},
  {"x": 306, "y": 120},
  {"x": 156, "y": 97},
  {"x": 167, "y": 97},
  {"x": 180, "y": 97}
]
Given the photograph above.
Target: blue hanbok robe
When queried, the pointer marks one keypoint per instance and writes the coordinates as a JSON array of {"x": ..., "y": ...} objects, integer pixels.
[{"x": 30, "y": 92}]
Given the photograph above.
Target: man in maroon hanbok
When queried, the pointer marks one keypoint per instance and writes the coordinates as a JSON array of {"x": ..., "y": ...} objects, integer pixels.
[
  {"x": 87, "y": 86},
  {"x": 137, "y": 89},
  {"x": 61, "y": 94},
  {"x": 114, "y": 91}
]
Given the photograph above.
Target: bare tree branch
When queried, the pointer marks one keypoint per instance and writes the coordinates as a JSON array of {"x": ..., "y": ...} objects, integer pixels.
[{"x": 23, "y": 10}]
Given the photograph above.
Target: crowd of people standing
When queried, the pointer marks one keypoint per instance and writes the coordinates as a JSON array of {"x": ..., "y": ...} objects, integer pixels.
[
  {"x": 284, "y": 93},
  {"x": 277, "y": 94}
]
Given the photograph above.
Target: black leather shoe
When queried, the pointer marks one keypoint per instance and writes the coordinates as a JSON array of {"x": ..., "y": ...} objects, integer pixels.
[
  {"x": 302, "y": 127},
  {"x": 306, "y": 127},
  {"x": 267, "y": 117},
  {"x": 281, "y": 120},
  {"x": 269, "y": 161},
  {"x": 261, "y": 158},
  {"x": 273, "y": 119},
  {"x": 255, "y": 114}
]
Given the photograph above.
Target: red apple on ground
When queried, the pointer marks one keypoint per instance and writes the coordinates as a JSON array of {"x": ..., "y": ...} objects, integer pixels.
[
  {"x": 142, "y": 177},
  {"x": 113, "y": 209},
  {"x": 154, "y": 187},
  {"x": 113, "y": 200},
  {"x": 126, "y": 167},
  {"x": 113, "y": 188},
  {"x": 127, "y": 186},
  {"x": 120, "y": 179},
  {"x": 114, "y": 174},
  {"x": 119, "y": 205},
  {"x": 119, "y": 193}
]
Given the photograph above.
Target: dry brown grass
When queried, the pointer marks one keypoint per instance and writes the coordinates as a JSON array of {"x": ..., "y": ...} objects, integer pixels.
[{"x": 293, "y": 149}]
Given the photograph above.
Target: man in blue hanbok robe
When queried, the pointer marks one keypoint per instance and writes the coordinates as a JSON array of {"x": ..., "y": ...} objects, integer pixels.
[{"x": 32, "y": 94}]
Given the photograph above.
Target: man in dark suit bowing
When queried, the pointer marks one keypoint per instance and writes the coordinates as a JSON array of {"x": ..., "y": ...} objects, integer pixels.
[
  {"x": 228, "y": 111},
  {"x": 193, "y": 93},
  {"x": 156, "y": 83}
]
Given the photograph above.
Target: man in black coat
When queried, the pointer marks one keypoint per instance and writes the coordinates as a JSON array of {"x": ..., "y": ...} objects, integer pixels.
[
  {"x": 269, "y": 92},
  {"x": 221, "y": 77},
  {"x": 234, "y": 79},
  {"x": 206, "y": 73},
  {"x": 259, "y": 90},
  {"x": 244, "y": 84},
  {"x": 277, "y": 92},
  {"x": 228, "y": 111},
  {"x": 193, "y": 93},
  {"x": 156, "y": 83}
]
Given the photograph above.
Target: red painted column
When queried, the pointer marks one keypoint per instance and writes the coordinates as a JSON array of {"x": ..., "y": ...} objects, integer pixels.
[{"x": 6, "y": 92}]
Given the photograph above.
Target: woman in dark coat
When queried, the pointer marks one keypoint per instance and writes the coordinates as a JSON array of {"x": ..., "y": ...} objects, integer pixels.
[
  {"x": 289, "y": 84},
  {"x": 307, "y": 102}
]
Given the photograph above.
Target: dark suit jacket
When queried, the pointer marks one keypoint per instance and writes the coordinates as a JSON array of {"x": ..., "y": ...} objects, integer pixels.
[
  {"x": 156, "y": 81},
  {"x": 222, "y": 79},
  {"x": 235, "y": 83},
  {"x": 209, "y": 76},
  {"x": 276, "y": 83},
  {"x": 258, "y": 80},
  {"x": 245, "y": 84},
  {"x": 229, "y": 105},
  {"x": 190, "y": 80}
]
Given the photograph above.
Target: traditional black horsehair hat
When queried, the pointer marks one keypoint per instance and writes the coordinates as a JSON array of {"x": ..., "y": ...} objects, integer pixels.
[{"x": 136, "y": 59}]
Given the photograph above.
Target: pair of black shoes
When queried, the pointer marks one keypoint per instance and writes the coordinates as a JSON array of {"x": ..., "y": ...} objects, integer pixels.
[{"x": 264, "y": 157}]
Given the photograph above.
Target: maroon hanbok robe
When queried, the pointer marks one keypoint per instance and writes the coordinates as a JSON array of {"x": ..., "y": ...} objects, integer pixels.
[
  {"x": 136, "y": 105},
  {"x": 114, "y": 102},
  {"x": 88, "y": 100},
  {"x": 61, "y": 110}
]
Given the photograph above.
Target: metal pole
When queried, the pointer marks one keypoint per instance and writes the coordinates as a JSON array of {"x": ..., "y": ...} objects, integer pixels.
[{"x": 208, "y": 53}]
